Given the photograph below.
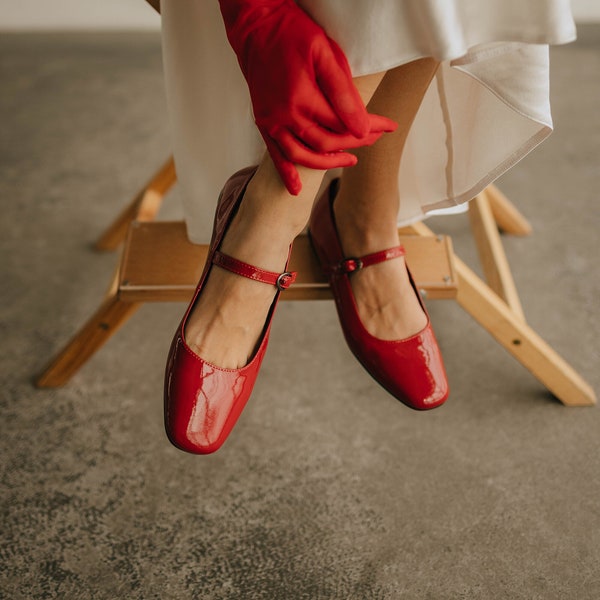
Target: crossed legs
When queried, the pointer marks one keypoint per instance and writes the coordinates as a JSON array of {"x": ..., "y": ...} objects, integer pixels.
[{"x": 229, "y": 316}]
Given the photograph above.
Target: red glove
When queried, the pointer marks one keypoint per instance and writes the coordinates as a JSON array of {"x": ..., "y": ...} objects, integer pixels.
[{"x": 305, "y": 103}]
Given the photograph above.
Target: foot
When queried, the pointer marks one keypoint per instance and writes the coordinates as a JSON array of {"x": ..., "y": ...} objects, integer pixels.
[
  {"x": 387, "y": 304},
  {"x": 228, "y": 319}
]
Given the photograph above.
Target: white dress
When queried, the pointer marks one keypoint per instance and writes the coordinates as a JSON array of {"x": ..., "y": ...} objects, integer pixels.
[{"x": 486, "y": 108}]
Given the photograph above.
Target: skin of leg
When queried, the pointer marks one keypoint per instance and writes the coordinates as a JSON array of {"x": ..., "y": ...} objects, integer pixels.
[
  {"x": 229, "y": 316},
  {"x": 366, "y": 208}
]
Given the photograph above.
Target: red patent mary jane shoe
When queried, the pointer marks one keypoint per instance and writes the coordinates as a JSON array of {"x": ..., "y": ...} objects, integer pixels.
[
  {"x": 203, "y": 401},
  {"x": 410, "y": 369}
]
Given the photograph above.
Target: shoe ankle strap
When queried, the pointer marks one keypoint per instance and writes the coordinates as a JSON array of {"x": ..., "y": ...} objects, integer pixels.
[
  {"x": 353, "y": 264},
  {"x": 281, "y": 281}
]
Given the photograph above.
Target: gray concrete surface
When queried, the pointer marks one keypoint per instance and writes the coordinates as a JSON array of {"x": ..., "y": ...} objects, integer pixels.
[{"x": 328, "y": 488}]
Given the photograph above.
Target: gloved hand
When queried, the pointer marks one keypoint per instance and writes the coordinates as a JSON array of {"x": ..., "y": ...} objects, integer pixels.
[{"x": 305, "y": 104}]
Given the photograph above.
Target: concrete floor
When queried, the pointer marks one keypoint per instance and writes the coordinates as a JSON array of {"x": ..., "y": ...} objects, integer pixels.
[{"x": 328, "y": 488}]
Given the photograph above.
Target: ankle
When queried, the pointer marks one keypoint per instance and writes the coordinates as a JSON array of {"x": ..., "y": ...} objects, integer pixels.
[
  {"x": 277, "y": 215},
  {"x": 365, "y": 235},
  {"x": 367, "y": 221},
  {"x": 258, "y": 243}
]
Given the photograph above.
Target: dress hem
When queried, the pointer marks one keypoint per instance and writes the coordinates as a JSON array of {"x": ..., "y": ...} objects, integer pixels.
[{"x": 490, "y": 177}]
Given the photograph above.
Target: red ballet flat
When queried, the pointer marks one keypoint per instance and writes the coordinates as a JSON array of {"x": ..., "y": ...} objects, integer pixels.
[
  {"x": 202, "y": 401},
  {"x": 411, "y": 369}
]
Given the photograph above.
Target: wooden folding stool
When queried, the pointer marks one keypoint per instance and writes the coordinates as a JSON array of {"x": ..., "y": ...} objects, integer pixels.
[{"x": 159, "y": 264}]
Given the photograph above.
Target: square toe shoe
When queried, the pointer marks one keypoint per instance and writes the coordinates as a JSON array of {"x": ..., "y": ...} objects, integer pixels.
[{"x": 410, "y": 369}]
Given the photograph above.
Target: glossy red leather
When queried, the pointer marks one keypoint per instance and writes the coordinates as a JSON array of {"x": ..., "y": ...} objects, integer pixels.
[
  {"x": 350, "y": 265},
  {"x": 411, "y": 369},
  {"x": 202, "y": 402},
  {"x": 280, "y": 280}
]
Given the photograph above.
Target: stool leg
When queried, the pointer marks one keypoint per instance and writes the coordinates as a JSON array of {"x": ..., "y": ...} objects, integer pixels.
[
  {"x": 143, "y": 207},
  {"x": 111, "y": 314},
  {"x": 494, "y": 315},
  {"x": 508, "y": 218},
  {"x": 491, "y": 253},
  {"x": 513, "y": 333}
]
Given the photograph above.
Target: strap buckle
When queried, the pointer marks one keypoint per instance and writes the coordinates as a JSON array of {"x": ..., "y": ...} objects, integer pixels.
[
  {"x": 350, "y": 265},
  {"x": 285, "y": 280}
]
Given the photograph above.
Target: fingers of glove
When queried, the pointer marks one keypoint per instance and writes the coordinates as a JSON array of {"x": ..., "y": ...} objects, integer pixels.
[
  {"x": 380, "y": 124},
  {"x": 322, "y": 140},
  {"x": 314, "y": 111},
  {"x": 297, "y": 152},
  {"x": 286, "y": 169},
  {"x": 310, "y": 108},
  {"x": 335, "y": 79},
  {"x": 300, "y": 105},
  {"x": 368, "y": 140}
]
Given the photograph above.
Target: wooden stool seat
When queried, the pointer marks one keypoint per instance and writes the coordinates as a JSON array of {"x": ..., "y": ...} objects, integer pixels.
[{"x": 160, "y": 264}]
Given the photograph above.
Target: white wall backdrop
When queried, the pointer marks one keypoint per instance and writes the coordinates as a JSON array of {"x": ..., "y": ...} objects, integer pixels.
[
  {"x": 135, "y": 14},
  {"x": 78, "y": 14},
  {"x": 586, "y": 11}
]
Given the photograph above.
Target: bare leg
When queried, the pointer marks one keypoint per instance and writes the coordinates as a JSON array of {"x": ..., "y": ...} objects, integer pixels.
[
  {"x": 228, "y": 318},
  {"x": 367, "y": 205}
]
